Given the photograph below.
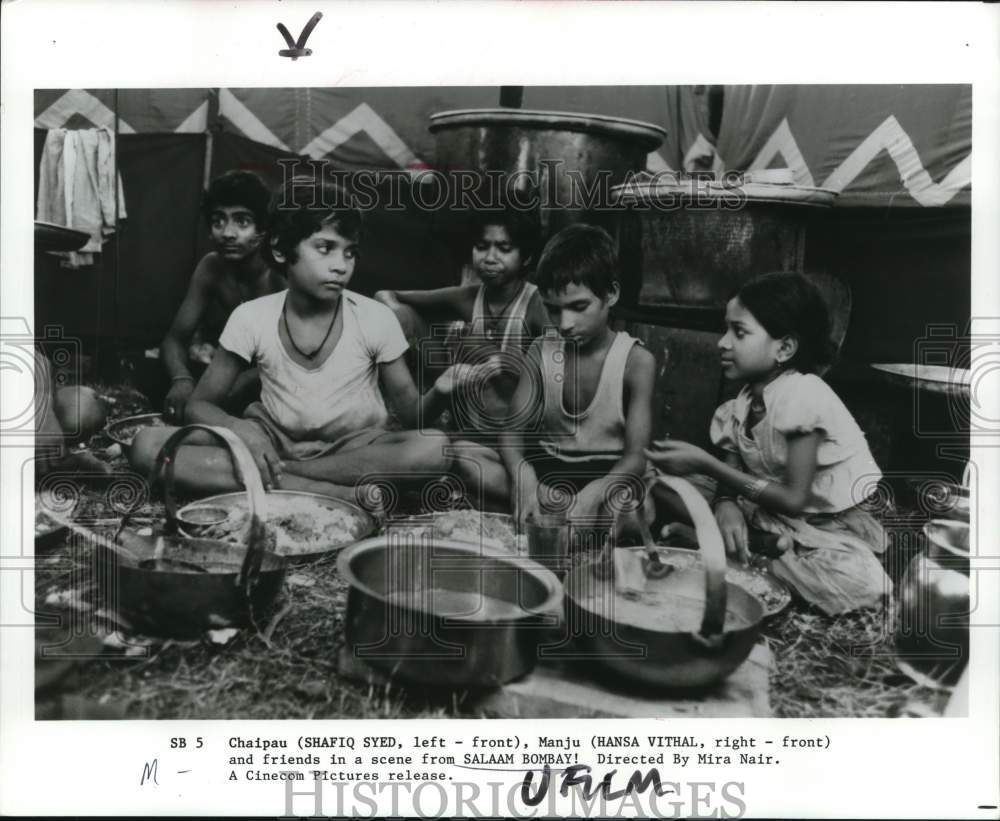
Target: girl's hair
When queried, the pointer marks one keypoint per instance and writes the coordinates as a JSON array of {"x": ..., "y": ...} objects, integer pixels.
[
  {"x": 522, "y": 226},
  {"x": 582, "y": 255},
  {"x": 300, "y": 208},
  {"x": 788, "y": 304},
  {"x": 237, "y": 188}
]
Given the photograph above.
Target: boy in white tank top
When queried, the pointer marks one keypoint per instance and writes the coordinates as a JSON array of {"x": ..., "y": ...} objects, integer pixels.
[
  {"x": 582, "y": 410},
  {"x": 500, "y": 316}
]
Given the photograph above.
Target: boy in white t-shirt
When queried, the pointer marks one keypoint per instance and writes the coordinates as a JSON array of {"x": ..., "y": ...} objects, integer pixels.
[{"x": 326, "y": 358}]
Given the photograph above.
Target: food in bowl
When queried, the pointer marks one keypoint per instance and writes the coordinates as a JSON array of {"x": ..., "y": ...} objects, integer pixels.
[
  {"x": 655, "y": 609},
  {"x": 758, "y": 582},
  {"x": 469, "y": 526},
  {"x": 300, "y": 524}
]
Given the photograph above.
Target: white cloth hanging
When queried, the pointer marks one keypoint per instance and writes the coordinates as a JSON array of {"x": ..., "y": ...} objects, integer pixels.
[{"x": 76, "y": 187}]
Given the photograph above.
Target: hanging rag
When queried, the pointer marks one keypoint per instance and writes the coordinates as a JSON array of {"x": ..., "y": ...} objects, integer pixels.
[{"x": 76, "y": 187}]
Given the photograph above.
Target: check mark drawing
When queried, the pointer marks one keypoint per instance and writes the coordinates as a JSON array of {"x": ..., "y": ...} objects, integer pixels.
[{"x": 297, "y": 48}]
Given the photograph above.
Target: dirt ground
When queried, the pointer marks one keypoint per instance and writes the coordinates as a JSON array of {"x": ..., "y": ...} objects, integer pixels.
[{"x": 822, "y": 667}]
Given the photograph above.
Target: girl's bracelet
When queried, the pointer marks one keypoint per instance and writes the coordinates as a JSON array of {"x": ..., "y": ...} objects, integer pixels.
[
  {"x": 753, "y": 488},
  {"x": 718, "y": 500},
  {"x": 182, "y": 378}
]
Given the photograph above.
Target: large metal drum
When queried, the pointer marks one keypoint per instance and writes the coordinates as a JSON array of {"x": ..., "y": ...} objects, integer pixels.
[
  {"x": 692, "y": 242},
  {"x": 569, "y": 162}
]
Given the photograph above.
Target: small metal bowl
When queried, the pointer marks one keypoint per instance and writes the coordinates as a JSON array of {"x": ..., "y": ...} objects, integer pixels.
[{"x": 196, "y": 518}]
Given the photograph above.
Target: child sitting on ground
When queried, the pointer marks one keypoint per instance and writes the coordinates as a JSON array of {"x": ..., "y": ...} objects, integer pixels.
[
  {"x": 326, "y": 356},
  {"x": 66, "y": 416},
  {"x": 500, "y": 316},
  {"x": 796, "y": 465},
  {"x": 235, "y": 208},
  {"x": 584, "y": 397}
]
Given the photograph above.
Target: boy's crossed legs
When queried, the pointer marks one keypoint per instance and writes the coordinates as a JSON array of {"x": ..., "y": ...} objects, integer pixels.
[
  {"x": 485, "y": 476},
  {"x": 202, "y": 467}
]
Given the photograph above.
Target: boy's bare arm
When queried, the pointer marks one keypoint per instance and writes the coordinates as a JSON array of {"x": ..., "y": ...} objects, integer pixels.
[
  {"x": 173, "y": 350},
  {"x": 412, "y": 409},
  {"x": 205, "y": 405},
  {"x": 454, "y": 302},
  {"x": 640, "y": 374},
  {"x": 415, "y": 410}
]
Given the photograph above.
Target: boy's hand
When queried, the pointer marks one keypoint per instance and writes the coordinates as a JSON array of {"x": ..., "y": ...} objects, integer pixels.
[
  {"x": 464, "y": 375},
  {"x": 589, "y": 501},
  {"x": 268, "y": 462},
  {"x": 678, "y": 458},
  {"x": 733, "y": 525},
  {"x": 177, "y": 398}
]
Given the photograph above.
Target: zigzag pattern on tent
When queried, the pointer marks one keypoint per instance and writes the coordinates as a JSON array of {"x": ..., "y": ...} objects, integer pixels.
[
  {"x": 888, "y": 136},
  {"x": 79, "y": 103}
]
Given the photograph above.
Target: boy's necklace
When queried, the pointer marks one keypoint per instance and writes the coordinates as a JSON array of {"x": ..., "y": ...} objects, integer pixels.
[
  {"x": 288, "y": 331},
  {"x": 503, "y": 311}
]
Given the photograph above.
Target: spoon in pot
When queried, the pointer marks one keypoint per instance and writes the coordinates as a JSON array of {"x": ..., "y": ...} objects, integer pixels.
[{"x": 653, "y": 568}]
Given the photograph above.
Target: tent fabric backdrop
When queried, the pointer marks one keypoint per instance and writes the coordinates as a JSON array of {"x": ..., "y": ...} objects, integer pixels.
[
  {"x": 878, "y": 146},
  {"x": 898, "y": 153}
]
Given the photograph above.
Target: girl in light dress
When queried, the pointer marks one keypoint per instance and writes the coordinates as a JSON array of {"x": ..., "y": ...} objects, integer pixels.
[{"x": 795, "y": 466}]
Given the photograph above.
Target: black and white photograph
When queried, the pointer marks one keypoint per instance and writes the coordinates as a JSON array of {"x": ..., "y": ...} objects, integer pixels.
[{"x": 641, "y": 402}]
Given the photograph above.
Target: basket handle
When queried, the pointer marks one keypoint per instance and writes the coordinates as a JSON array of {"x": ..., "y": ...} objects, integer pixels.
[
  {"x": 254, "y": 537},
  {"x": 713, "y": 553}
]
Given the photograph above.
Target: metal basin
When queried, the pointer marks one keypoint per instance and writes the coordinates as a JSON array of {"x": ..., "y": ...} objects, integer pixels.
[{"x": 445, "y": 612}]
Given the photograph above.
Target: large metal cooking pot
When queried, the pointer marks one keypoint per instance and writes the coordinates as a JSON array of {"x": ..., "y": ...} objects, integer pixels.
[
  {"x": 444, "y": 612},
  {"x": 174, "y": 586},
  {"x": 569, "y": 161},
  {"x": 692, "y": 242},
  {"x": 717, "y": 622}
]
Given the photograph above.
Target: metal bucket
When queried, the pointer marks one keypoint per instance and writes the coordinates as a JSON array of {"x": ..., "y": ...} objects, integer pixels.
[
  {"x": 167, "y": 598},
  {"x": 175, "y": 586},
  {"x": 444, "y": 612}
]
